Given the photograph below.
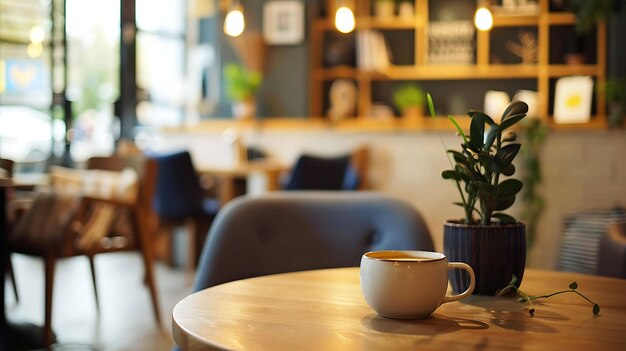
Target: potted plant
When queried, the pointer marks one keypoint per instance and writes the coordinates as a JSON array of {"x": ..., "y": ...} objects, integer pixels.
[
  {"x": 615, "y": 90},
  {"x": 590, "y": 12},
  {"x": 409, "y": 100},
  {"x": 242, "y": 86},
  {"x": 492, "y": 242}
]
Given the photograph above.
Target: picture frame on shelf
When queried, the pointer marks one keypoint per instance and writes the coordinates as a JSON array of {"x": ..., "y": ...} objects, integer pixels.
[
  {"x": 283, "y": 22},
  {"x": 572, "y": 99}
]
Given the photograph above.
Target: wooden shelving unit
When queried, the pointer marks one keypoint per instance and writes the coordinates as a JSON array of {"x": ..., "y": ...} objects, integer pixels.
[{"x": 543, "y": 72}]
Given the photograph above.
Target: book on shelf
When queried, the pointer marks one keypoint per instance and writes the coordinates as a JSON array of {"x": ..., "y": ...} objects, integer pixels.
[{"x": 372, "y": 51}]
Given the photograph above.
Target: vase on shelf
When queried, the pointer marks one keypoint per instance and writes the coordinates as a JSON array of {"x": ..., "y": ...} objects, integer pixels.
[
  {"x": 244, "y": 109},
  {"x": 384, "y": 9}
]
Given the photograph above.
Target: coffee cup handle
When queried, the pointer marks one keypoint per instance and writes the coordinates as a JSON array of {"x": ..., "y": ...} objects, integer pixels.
[{"x": 470, "y": 290}]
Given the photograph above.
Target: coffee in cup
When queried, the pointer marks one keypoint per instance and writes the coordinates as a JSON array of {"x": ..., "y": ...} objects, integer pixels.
[{"x": 408, "y": 284}]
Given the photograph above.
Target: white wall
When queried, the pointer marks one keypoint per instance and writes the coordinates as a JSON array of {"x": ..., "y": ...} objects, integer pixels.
[{"x": 582, "y": 170}]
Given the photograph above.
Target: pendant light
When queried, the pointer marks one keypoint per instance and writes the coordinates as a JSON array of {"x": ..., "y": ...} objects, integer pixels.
[
  {"x": 483, "y": 18},
  {"x": 234, "y": 22},
  {"x": 344, "y": 17}
]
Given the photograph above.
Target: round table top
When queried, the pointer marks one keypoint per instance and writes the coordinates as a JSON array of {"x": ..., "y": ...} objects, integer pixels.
[{"x": 325, "y": 310}]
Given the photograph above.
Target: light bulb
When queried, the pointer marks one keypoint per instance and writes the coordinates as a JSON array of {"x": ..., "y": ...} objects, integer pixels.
[
  {"x": 344, "y": 20},
  {"x": 36, "y": 34},
  {"x": 483, "y": 19},
  {"x": 234, "y": 23}
]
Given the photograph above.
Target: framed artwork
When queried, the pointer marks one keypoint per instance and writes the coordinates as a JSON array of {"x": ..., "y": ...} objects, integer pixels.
[
  {"x": 283, "y": 22},
  {"x": 572, "y": 100}
]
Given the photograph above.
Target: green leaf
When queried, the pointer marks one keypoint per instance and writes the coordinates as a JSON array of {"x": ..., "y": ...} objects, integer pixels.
[
  {"x": 504, "y": 218},
  {"x": 466, "y": 173},
  {"x": 477, "y": 132},
  {"x": 596, "y": 309},
  {"x": 503, "y": 203},
  {"x": 459, "y": 157},
  {"x": 511, "y": 121},
  {"x": 459, "y": 204},
  {"x": 450, "y": 174},
  {"x": 505, "y": 156},
  {"x": 514, "y": 108},
  {"x": 458, "y": 128},
  {"x": 513, "y": 280},
  {"x": 508, "y": 170},
  {"x": 492, "y": 133},
  {"x": 485, "y": 187},
  {"x": 485, "y": 160},
  {"x": 509, "y": 187},
  {"x": 573, "y": 286},
  {"x": 482, "y": 115},
  {"x": 431, "y": 106}
]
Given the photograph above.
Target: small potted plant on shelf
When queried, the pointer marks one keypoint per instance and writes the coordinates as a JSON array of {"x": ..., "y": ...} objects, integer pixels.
[
  {"x": 492, "y": 242},
  {"x": 242, "y": 86},
  {"x": 409, "y": 100}
]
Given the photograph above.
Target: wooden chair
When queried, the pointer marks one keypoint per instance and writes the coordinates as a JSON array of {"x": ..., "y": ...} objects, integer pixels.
[
  {"x": 179, "y": 199},
  {"x": 79, "y": 218},
  {"x": 6, "y": 166}
]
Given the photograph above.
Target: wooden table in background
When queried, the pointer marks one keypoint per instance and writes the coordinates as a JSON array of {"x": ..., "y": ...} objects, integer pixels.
[
  {"x": 324, "y": 310},
  {"x": 232, "y": 180}
]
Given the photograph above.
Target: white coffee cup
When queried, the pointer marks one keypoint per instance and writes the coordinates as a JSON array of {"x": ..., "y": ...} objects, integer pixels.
[{"x": 408, "y": 284}]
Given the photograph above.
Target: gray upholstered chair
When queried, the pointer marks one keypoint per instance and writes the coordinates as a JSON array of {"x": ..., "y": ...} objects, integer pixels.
[
  {"x": 292, "y": 231},
  {"x": 612, "y": 251}
]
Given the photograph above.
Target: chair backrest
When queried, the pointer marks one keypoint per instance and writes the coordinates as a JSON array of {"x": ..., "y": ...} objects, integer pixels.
[
  {"x": 86, "y": 197},
  {"x": 146, "y": 169},
  {"x": 178, "y": 193},
  {"x": 322, "y": 173},
  {"x": 580, "y": 239},
  {"x": 291, "y": 231},
  {"x": 612, "y": 251}
]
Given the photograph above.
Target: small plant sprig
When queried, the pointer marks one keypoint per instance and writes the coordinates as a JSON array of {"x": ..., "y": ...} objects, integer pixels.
[{"x": 523, "y": 297}]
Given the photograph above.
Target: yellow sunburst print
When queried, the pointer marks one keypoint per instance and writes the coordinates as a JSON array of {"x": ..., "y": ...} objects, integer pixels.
[{"x": 573, "y": 101}]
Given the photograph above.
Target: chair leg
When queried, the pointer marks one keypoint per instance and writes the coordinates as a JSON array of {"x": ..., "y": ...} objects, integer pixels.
[
  {"x": 49, "y": 264},
  {"x": 202, "y": 230},
  {"x": 191, "y": 227},
  {"x": 92, "y": 266},
  {"x": 12, "y": 273},
  {"x": 164, "y": 241},
  {"x": 142, "y": 230}
]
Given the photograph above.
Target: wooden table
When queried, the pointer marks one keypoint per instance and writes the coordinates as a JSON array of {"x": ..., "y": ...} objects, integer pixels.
[
  {"x": 232, "y": 180},
  {"x": 324, "y": 310}
]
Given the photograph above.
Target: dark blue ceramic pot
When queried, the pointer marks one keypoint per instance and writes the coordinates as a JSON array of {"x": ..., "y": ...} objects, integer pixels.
[{"x": 495, "y": 253}]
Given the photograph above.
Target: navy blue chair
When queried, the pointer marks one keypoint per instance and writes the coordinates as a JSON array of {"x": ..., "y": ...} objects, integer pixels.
[
  {"x": 179, "y": 199},
  {"x": 292, "y": 231},
  {"x": 322, "y": 173}
]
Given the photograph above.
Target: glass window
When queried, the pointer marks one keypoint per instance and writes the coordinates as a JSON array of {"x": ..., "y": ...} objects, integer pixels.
[
  {"x": 93, "y": 36},
  {"x": 25, "y": 90},
  {"x": 161, "y": 67},
  {"x": 161, "y": 62},
  {"x": 161, "y": 16}
]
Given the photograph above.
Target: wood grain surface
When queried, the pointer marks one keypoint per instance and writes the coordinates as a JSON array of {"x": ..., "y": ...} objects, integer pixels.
[{"x": 325, "y": 310}]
